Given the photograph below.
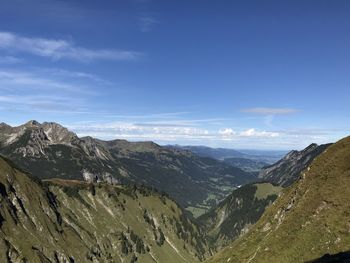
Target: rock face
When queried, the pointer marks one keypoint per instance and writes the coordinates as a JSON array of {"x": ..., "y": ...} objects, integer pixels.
[
  {"x": 71, "y": 221},
  {"x": 237, "y": 213},
  {"x": 288, "y": 170},
  {"x": 309, "y": 219},
  {"x": 49, "y": 150}
]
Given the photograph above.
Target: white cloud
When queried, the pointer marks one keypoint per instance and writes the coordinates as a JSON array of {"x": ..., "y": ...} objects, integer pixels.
[
  {"x": 134, "y": 131},
  {"x": 270, "y": 111},
  {"x": 60, "y": 49},
  {"x": 167, "y": 131},
  {"x": 227, "y": 132},
  {"x": 254, "y": 133}
]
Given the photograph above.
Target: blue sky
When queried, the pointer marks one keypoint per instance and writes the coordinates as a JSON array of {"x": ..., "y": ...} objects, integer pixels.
[{"x": 234, "y": 74}]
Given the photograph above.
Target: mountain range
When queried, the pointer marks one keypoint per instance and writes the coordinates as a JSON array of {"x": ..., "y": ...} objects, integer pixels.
[
  {"x": 70, "y": 199},
  {"x": 49, "y": 150}
]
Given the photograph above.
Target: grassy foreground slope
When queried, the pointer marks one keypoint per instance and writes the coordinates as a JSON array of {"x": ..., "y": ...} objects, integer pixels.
[
  {"x": 237, "y": 213},
  {"x": 73, "y": 221},
  {"x": 311, "y": 218}
]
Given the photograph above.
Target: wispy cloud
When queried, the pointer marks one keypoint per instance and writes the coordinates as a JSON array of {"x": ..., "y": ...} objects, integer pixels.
[
  {"x": 57, "y": 49},
  {"x": 10, "y": 60},
  {"x": 77, "y": 75},
  {"x": 270, "y": 111},
  {"x": 37, "y": 105},
  {"x": 42, "y": 90},
  {"x": 22, "y": 80},
  {"x": 146, "y": 23}
]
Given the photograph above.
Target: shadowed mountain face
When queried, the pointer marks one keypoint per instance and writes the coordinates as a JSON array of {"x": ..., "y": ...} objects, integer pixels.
[
  {"x": 49, "y": 150},
  {"x": 308, "y": 220},
  {"x": 288, "y": 170},
  {"x": 74, "y": 221},
  {"x": 237, "y": 213}
]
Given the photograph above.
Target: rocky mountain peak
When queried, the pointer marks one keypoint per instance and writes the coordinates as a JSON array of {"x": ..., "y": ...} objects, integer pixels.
[
  {"x": 58, "y": 134},
  {"x": 32, "y": 123},
  {"x": 3, "y": 125},
  {"x": 33, "y": 138},
  {"x": 311, "y": 147},
  {"x": 295, "y": 153}
]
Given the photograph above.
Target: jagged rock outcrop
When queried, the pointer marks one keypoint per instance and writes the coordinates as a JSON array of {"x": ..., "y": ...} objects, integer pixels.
[{"x": 288, "y": 170}]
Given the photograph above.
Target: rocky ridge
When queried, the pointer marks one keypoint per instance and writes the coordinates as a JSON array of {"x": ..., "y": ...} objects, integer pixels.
[
  {"x": 288, "y": 170},
  {"x": 49, "y": 150}
]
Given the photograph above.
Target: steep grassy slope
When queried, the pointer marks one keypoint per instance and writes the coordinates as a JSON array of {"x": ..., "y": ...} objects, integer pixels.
[
  {"x": 237, "y": 213},
  {"x": 72, "y": 221},
  {"x": 310, "y": 219}
]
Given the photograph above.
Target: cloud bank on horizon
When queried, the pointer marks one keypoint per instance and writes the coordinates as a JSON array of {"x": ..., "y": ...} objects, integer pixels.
[{"x": 134, "y": 71}]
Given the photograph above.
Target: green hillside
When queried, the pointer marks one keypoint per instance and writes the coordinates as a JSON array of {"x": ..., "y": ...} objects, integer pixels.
[
  {"x": 237, "y": 213},
  {"x": 74, "y": 221},
  {"x": 309, "y": 220}
]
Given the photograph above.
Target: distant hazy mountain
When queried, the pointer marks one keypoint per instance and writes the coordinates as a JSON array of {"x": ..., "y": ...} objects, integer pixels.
[
  {"x": 308, "y": 220},
  {"x": 224, "y": 153},
  {"x": 287, "y": 170},
  {"x": 72, "y": 221},
  {"x": 204, "y": 151},
  {"x": 49, "y": 150},
  {"x": 237, "y": 213}
]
